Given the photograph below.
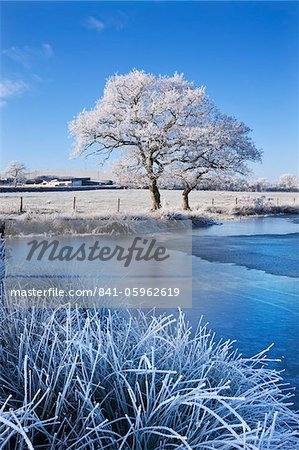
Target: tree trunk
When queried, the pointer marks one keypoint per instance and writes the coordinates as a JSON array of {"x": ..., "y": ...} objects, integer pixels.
[
  {"x": 185, "y": 194},
  {"x": 155, "y": 194}
]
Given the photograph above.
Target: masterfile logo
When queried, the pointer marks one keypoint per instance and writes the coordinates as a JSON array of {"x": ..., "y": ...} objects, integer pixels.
[{"x": 107, "y": 270}]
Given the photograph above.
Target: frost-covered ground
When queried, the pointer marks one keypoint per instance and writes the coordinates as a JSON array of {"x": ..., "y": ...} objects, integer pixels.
[
  {"x": 131, "y": 201},
  {"x": 110, "y": 211}
]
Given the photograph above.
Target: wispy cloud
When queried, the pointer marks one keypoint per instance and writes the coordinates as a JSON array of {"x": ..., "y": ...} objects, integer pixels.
[
  {"x": 118, "y": 21},
  {"x": 27, "y": 56},
  {"x": 48, "y": 50},
  {"x": 95, "y": 24},
  {"x": 37, "y": 77},
  {"x": 10, "y": 88},
  {"x": 18, "y": 55}
]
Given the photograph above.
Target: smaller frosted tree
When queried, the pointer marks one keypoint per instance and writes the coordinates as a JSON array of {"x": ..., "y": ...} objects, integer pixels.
[
  {"x": 288, "y": 182},
  {"x": 222, "y": 146},
  {"x": 16, "y": 170}
]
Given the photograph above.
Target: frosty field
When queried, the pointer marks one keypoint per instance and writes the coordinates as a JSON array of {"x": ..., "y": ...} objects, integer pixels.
[{"x": 131, "y": 201}]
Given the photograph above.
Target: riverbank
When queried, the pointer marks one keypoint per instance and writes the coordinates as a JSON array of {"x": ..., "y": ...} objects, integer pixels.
[
  {"x": 116, "y": 223},
  {"x": 36, "y": 225}
]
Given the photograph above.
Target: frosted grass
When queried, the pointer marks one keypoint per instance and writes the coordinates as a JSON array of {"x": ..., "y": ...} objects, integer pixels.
[
  {"x": 117, "y": 224},
  {"x": 132, "y": 201},
  {"x": 99, "y": 379},
  {"x": 264, "y": 206}
]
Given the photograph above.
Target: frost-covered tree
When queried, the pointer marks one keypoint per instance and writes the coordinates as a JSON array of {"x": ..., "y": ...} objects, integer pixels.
[
  {"x": 16, "y": 170},
  {"x": 127, "y": 173},
  {"x": 288, "y": 182},
  {"x": 149, "y": 117},
  {"x": 222, "y": 145},
  {"x": 262, "y": 184}
]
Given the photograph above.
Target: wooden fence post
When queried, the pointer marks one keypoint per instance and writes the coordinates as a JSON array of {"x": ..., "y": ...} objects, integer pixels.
[
  {"x": 21, "y": 205},
  {"x": 118, "y": 204},
  {"x": 236, "y": 201},
  {"x": 74, "y": 204},
  {"x": 212, "y": 202}
]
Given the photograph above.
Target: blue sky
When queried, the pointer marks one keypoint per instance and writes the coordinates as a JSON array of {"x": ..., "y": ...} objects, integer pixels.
[{"x": 56, "y": 57}]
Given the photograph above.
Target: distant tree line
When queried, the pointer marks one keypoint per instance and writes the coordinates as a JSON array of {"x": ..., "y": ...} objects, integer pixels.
[{"x": 286, "y": 182}]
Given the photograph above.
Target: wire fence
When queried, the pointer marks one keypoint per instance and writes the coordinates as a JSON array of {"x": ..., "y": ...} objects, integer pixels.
[{"x": 125, "y": 201}]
